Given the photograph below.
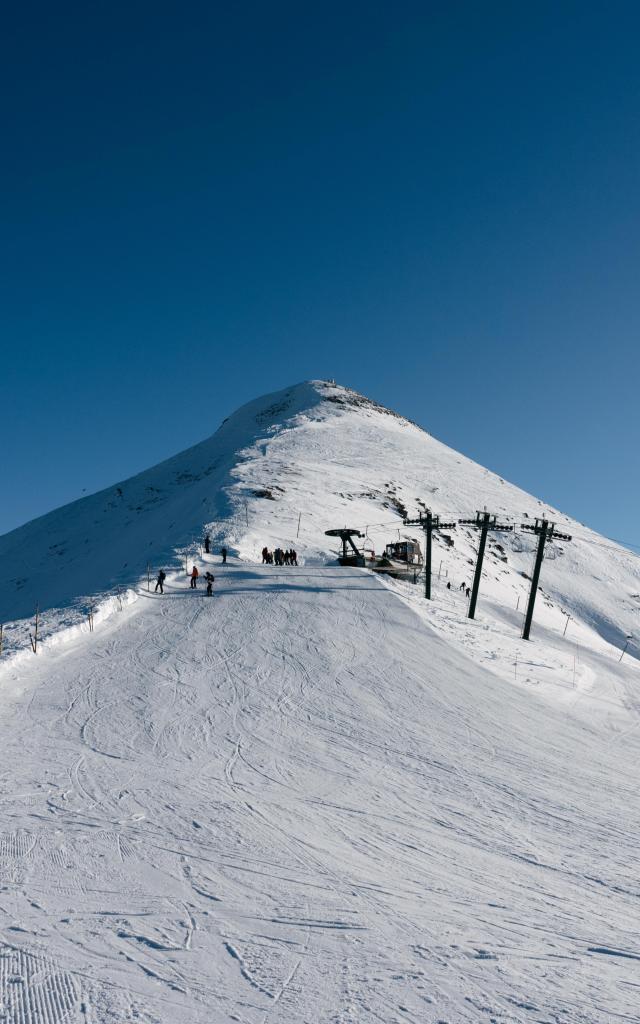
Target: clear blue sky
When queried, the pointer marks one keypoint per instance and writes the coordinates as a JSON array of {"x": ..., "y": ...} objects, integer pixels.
[{"x": 437, "y": 204}]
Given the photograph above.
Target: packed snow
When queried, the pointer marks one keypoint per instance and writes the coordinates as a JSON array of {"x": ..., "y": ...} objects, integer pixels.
[{"x": 314, "y": 796}]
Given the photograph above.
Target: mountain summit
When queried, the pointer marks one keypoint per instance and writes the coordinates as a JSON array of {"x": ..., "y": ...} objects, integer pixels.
[{"x": 283, "y": 469}]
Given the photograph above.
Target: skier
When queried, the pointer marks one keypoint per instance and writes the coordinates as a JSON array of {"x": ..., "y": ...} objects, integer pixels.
[
  {"x": 448, "y": 585},
  {"x": 194, "y": 577},
  {"x": 160, "y": 581},
  {"x": 294, "y": 557},
  {"x": 207, "y": 544},
  {"x": 265, "y": 554},
  {"x": 463, "y": 586},
  {"x": 223, "y": 552},
  {"x": 468, "y": 591},
  {"x": 209, "y": 577}
]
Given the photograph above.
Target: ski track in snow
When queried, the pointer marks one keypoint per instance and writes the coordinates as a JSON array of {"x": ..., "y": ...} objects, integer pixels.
[{"x": 299, "y": 801}]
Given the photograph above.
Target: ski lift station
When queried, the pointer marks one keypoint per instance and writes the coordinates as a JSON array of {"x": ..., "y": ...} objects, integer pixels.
[
  {"x": 350, "y": 554},
  {"x": 401, "y": 559},
  {"x": 405, "y": 551}
]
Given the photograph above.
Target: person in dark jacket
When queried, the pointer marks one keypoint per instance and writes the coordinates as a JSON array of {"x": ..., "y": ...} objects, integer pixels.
[
  {"x": 207, "y": 544},
  {"x": 160, "y": 581},
  {"x": 223, "y": 552},
  {"x": 209, "y": 577}
]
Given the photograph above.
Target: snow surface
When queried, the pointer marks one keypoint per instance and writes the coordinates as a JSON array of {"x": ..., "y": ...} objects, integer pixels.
[{"x": 315, "y": 797}]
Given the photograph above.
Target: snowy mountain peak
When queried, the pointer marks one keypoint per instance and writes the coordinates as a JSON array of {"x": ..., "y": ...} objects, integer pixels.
[{"x": 282, "y": 470}]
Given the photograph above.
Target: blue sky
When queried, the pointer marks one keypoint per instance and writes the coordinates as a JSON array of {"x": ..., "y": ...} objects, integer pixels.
[{"x": 437, "y": 204}]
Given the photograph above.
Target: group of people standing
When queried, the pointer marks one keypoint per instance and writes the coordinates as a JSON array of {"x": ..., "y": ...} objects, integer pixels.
[
  {"x": 279, "y": 557},
  {"x": 275, "y": 557},
  {"x": 207, "y": 549},
  {"x": 209, "y": 577},
  {"x": 194, "y": 575},
  {"x": 463, "y": 587}
]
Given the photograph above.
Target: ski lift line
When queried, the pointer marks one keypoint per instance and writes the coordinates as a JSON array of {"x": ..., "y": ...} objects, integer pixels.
[
  {"x": 515, "y": 519},
  {"x": 377, "y": 527}
]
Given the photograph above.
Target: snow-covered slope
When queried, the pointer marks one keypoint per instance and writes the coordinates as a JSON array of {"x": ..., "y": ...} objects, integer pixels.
[
  {"x": 283, "y": 469},
  {"x": 297, "y": 803},
  {"x": 315, "y": 798}
]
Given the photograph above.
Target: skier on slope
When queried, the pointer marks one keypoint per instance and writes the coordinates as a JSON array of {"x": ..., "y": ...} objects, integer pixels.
[
  {"x": 194, "y": 577},
  {"x": 160, "y": 581},
  {"x": 223, "y": 552},
  {"x": 207, "y": 544},
  {"x": 209, "y": 577}
]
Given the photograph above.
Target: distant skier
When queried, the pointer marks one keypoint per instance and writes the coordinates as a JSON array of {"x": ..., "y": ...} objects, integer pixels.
[
  {"x": 265, "y": 554},
  {"x": 160, "y": 581},
  {"x": 448, "y": 585},
  {"x": 463, "y": 586},
  {"x": 209, "y": 577},
  {"x": 194, "y": 577},
  {"x": 468, "y": 591},
  {"x": 207, "y": 544},
  {"x": 293, "y": 556},
  {"x": 223, "y": 552}
]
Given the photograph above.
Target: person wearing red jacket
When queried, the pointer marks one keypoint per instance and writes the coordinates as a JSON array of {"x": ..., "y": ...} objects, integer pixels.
[{"x": 194, "y": 577}]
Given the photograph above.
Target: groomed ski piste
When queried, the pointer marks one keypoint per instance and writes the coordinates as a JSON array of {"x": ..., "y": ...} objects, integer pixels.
[{"x": 315, "y": 797}]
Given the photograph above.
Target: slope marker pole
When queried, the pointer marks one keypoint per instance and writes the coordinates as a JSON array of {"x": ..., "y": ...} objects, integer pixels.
[
  {"x": 34, "y": 638},
  {"x": 626, "y": 644}
]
